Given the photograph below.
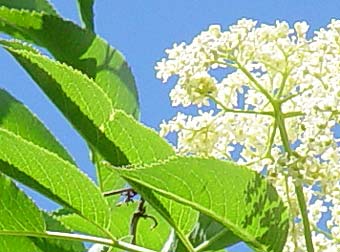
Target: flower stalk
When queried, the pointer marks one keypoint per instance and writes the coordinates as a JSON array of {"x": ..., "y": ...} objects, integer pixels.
[{"x": 298, "y": 186}]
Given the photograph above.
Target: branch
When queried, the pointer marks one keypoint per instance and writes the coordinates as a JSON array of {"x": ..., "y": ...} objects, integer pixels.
[
  {"x": 129, "y": 192},
  {"x": 140, "y": 213},
  {"x": 240, "y": 111},
  {"x": 80, "y": 237}
]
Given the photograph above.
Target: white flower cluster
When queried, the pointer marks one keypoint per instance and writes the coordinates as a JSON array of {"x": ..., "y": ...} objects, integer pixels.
[{"x": 279, "y": 99}]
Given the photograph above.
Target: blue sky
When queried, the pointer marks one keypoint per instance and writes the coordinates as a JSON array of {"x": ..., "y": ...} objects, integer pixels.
[{"x": 142, "y": 30}]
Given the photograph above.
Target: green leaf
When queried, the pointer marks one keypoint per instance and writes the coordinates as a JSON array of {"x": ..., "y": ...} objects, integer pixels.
[
  {"x": 22, "y": 224},
  {"x": 33, "y": 5},
  {"x": 89, "y": 105},
  {"x": 56, "y": 245},
  {"x": 13, "y": 204},
  {"x": 15, "y": 243},
  {"x": 152, "y": 238},
  {"x": 76, "y": 223},
  {"x": 80, "y": 49},
  {"x": 110, "y": 179},
  {"x": 149, "y": 235},
  {"x": 236, "y": 197},
  {"x": 86, "y": 105},
  {"x": 123, "y": 215},
  {"x": 10, "y": 112},
  {"x": 181, "y": 218},
  {"x": 28, "y": 155},
  {"x": 85, "y": 51},
  {"x": 138, "y": 143},
  {"x": 86, "y": 13},
  {"x": 205, "y": 231},
  {"x": 55, "y": 177},
  {"x": 89, "y": 108}
]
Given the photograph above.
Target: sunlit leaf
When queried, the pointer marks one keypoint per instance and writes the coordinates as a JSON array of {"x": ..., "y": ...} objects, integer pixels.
[
  {"x": 32, "y": 156},
  {"x": 33, "y": 5},
  {"x": 236, "y": 197},
  {"x": 80, "y": 49}
]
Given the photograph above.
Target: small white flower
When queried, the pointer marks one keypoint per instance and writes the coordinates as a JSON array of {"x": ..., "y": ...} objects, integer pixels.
[{"x": 301, "y": 29}]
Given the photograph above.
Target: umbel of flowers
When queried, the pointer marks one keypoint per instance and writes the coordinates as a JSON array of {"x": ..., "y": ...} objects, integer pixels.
[{"x": 279, "y": 99}]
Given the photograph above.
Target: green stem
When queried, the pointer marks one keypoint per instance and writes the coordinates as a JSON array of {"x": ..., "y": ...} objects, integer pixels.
[
  {"x": 269, "y": 145},
  {"x": 271, "y": 141},
  {"x": 282, "y": 128},
  {"x": 240, "y": 111},
  {"x": 258, "y": 86},
  {"x": 207, "y": 243},
  {"x": 80, "y": 237},
  {"x": 96, "y": 162},
  {"x": 284, "y": 79},
  {"x": 283, "y": 83},
  {"x": 298, "y": 187},
  {"x": 304, "y": 214},
  {"x": 328, "y": 235},
  {"x": 292, "y": 217},
  {"x": 289, "y": 97},
  {"x": 293, "y": 114}
]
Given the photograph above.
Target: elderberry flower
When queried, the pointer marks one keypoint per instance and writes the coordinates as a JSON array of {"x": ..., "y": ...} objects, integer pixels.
[{"x": 279, "y": 100}]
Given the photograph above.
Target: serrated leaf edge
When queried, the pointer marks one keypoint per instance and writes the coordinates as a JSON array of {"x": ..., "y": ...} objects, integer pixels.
[{"x": 68, "y": 164}]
